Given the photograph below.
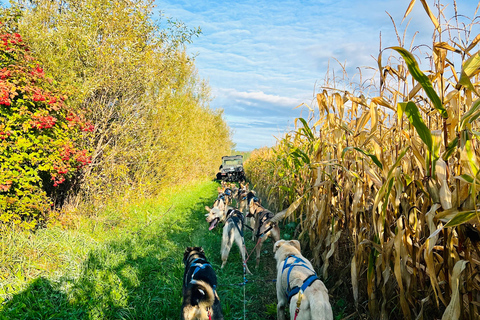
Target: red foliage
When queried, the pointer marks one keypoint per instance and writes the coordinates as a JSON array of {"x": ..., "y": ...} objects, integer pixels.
[{"x": 39, "y": 133}]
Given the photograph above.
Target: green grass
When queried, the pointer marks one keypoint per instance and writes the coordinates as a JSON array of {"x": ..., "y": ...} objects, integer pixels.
[{"x": 126, "y": 263}]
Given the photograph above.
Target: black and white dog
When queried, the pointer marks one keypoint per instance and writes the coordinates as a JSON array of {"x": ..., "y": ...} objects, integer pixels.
[
  {"x": 233, "y": 232},
  {"x": 200, "y": 299}
]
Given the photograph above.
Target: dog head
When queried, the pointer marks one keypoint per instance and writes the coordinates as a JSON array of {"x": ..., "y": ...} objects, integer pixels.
[
  {"x": 253, "y": 203},
  {"x": 283, "y": 248},
  {"x": 192, "y": 253},
  {"x": 215, "y": 214},
  {"x": 242, "y": 194}
]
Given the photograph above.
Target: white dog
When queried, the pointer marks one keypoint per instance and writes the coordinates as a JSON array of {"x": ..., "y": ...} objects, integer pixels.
[{"x": 297, "y": 281}]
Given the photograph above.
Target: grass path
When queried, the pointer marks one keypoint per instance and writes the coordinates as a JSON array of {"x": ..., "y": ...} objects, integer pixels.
[{"x": 127, "y": 266}]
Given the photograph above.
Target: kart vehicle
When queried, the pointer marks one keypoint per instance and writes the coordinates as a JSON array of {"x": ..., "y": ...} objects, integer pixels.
[{"x": 231, "y": 169}]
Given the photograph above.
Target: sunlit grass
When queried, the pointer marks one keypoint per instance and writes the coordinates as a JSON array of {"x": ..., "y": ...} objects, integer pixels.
[{"x": 131, "y": 269}]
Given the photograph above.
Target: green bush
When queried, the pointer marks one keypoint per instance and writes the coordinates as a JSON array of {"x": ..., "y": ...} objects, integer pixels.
[{"x": 39, "y": 135}]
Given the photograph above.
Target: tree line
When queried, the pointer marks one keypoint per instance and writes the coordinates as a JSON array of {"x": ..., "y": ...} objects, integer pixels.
[{"x": 100, "y": 102}]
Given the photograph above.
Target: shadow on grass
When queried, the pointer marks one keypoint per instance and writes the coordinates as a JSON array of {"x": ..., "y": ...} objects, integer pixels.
[
  {"x": 138, "y": 276},
  {"x": 41, "y": 301}
]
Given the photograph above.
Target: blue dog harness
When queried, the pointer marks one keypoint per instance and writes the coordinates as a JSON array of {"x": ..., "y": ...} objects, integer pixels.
[
  {"x": 198, "y": 267},
  {"x": 298, "y": 262}
]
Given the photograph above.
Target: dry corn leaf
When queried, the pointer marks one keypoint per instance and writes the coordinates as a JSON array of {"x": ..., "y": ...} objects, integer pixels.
[
  {"x": 400, "y": 260},
  {"x": 354, "y": 277},
  {"x": 374, "y": 117},
  {"x": 445, "y": 46},
  {"x": 453, "y": 310},
  {"x": 409, "y": 9},
  {"x": 473, "y": 44},
  {"x": 430, "y": 14},
  {"x": 330, "y": 253},
  {"x": 428, "y": 253},
  {"x": 382, "y": 102},
  {"x": 445, "y": 193},
  {"x": 364, "y": 118}
]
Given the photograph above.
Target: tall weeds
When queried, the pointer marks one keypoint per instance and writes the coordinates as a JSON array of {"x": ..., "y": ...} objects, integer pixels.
[{"x": 390, "y": 181}]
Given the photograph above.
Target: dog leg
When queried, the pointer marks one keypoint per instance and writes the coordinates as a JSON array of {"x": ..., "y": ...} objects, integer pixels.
[
  {"x": 259, "y": 249},
  {"x": 253, "y": 224},
  {"x": 239, "y": 241},
  {"x": 281, "y": 310},
  {"x": 281, "y": 300},
  {"x": 227, "y": 241}
]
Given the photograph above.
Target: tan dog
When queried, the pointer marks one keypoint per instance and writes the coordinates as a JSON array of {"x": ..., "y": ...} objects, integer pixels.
[
  {"x": 297, "y": 280},
  {"x": 216, "y": 214},
  {"x": 266, "y": 222},
  {"x": 241, "y": 198}
]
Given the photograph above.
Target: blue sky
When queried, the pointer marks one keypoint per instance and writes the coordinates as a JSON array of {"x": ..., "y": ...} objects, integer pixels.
[{"x": 263, "y": 58}]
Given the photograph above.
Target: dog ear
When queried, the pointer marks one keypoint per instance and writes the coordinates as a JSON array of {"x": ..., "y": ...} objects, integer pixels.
[
  {"x": 277, "y": 245},
  {"x": 296, "y": 244},
  {"x": 186, "y": 253},
  {"x": 221, "y": 205},
  {"x": 207, "y": 208}
]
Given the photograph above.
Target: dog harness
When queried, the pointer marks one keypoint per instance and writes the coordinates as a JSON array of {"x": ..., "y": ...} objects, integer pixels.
[
  {"x": 221, "y": 196},
  {"x": 265, "y": 216},
  {"x": 237, "y": 218},
  {"x": 298, "y": 262},
  {"x": 198, "y": 267}
]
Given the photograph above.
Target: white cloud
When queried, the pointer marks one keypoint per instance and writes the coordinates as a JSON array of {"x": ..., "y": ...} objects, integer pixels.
[
  {"x": 263, "y": 58},
  {"x": 260, "y": 97}
]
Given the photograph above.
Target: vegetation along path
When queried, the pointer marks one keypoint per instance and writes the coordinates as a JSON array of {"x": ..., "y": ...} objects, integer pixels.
[{"x": 127, "y": 267}]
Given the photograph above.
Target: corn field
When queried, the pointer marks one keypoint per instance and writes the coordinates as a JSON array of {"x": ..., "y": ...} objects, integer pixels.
[{"x": 390, "y": 180}]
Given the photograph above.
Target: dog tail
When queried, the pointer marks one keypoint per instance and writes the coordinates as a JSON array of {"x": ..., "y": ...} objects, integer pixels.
[
  {"x": 282, "y": 214},
  {"x": 203, "y": 294}
]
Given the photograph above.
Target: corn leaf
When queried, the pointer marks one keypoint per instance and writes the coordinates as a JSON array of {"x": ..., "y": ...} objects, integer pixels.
[
  {"x": 469, "y": 69},
  {"x": 306, "y": 129},
  {"x": 430, "y": 14},
  {"x": 453, "y": 310},
  {"x": 418, "y": 75},
  {"x": 473, "y": 44},
  {"x": 416, "y": 120},
  {"x": 450, "y": 149},
  {"x": 471, "y": 115},
  {"x": 371, "y": 156},
  {"x": 409, "y": 9},
  {"x": 461, "y": 217}
]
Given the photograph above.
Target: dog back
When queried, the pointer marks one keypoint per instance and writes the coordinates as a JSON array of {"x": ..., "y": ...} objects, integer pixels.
[{"x": 200, "y": 299}]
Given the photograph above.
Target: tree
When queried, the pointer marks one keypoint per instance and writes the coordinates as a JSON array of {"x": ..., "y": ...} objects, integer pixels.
[{"x": 139, "y": 89}]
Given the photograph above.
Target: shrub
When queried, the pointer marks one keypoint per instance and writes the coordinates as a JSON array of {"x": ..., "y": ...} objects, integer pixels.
[{"x": 39, "y": 135}]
